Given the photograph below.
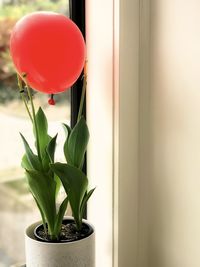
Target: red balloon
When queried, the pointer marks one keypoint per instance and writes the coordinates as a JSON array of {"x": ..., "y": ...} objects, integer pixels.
[{"x": 50, "y": 49}]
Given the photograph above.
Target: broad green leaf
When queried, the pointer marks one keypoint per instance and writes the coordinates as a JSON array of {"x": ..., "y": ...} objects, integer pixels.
[
  {"x": 42, "y": 214},
  {"x": 60, "y": 215},
  {"x": 67, "y": 130},
  {"x": 43, "y": 189},
  {"x": 42, "y": 126},
  {"x": 51, "y": 148},
  {"x": 65, "y": 148},
  {"x": 51, "y": 151},
  {"x": 85, "y": 200},
  {"x": 31, "y": 157},
  {"x": 77, "y": 143},
  {"x": 45, "y": 162},
  {"x": 58, "y": 184},
  {"x": 75, "y": 183},
  {"x": 48, "y": 155},
  {"x": 25, "y": 163}
]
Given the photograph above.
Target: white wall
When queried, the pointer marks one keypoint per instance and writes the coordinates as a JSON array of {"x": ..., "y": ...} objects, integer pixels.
[
  {"x": 144, "y": 103},
  {"x": 174, "y": 181},
  {"x": 126, "y": 109},
  {"x": 112, "y": 30},
  {"x": 99, "y": 37}
]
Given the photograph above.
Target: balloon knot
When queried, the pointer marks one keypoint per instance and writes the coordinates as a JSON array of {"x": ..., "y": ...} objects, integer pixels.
[
  {"x": 51, "y": 101},
  {"x": 24, "y": 74}
]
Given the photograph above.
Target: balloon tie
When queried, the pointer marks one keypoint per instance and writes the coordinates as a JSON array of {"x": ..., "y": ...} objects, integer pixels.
[{"x": 51, "y": 100}]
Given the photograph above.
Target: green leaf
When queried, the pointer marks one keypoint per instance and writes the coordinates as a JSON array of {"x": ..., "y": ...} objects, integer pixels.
[
  {"x": 42, "y": 126},
  {"x": 31, "y": 157},
  {"x": 48, "y": 156},
  {"x": 51, "y": 151},
  {"x": 75, "y": 183},
  {"x": 51, "y": 148},
  {"x": 85, "y": 200},
  {"x": 65, "y": 148},
  {"x": 77, "y": 143},
  {"x": 42, "y": 214},
  {"x": 46, "y": 162},
  {"x": 58, "y": 184},
  {"x": 60, "y": 216},
  {"x": 43, "y": 189},
  {"x": 67, "y": 130},
  {"x": 25, "y": 163}
]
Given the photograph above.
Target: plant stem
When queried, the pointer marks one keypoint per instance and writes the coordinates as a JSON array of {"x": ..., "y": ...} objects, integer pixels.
[
  {"x": 82, "y": 97},
  {"x": 23, "y": 98},
  {"x": 34, "y": 121}
]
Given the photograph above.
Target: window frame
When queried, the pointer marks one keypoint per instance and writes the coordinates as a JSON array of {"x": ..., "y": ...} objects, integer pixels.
[
  {"x": 77, "y": 14},
  {"x": 113, "y": 115},
  {"x": 115, "y": 101}
]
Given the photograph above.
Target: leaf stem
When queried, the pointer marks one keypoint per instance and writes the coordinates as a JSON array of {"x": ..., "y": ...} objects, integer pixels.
[
  {"x": 34, "y": 118},
  {"x": 82, "y": 97},
  {"x": 23, "y": 97}
]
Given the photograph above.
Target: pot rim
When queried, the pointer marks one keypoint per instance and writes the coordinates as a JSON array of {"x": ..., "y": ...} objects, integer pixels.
[{"x": 29, "y": 234}]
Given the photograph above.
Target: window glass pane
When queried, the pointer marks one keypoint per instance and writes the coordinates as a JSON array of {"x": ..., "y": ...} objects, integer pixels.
[{"x": 17, "y": 208}]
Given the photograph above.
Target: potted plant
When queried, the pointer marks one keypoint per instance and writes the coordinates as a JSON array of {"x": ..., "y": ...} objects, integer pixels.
[{"x": 56, "y": 240}]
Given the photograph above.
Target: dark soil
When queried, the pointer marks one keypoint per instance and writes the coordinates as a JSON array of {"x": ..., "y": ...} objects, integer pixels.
[{"x": 68, "y": 233}]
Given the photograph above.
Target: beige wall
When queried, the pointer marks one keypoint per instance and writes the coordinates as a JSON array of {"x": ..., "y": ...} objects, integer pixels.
[
  {"x": 146, "y": 76},
  {"x": 126, "y": 104},
  {"x": 174, "y": 182},
  {"x": 112, "y": 115}
]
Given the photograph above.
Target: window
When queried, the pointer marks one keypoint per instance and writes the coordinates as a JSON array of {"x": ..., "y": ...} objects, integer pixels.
[
  {"x": 17, "y": 208},
  {"x": 112, "y": 115}
]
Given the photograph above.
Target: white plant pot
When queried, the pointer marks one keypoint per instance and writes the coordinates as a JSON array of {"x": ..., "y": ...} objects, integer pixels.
[{"x": 79, "y": 253}]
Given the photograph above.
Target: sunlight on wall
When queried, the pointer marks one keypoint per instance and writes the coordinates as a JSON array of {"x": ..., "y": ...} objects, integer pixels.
[{"x": 175, "y": 134}]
